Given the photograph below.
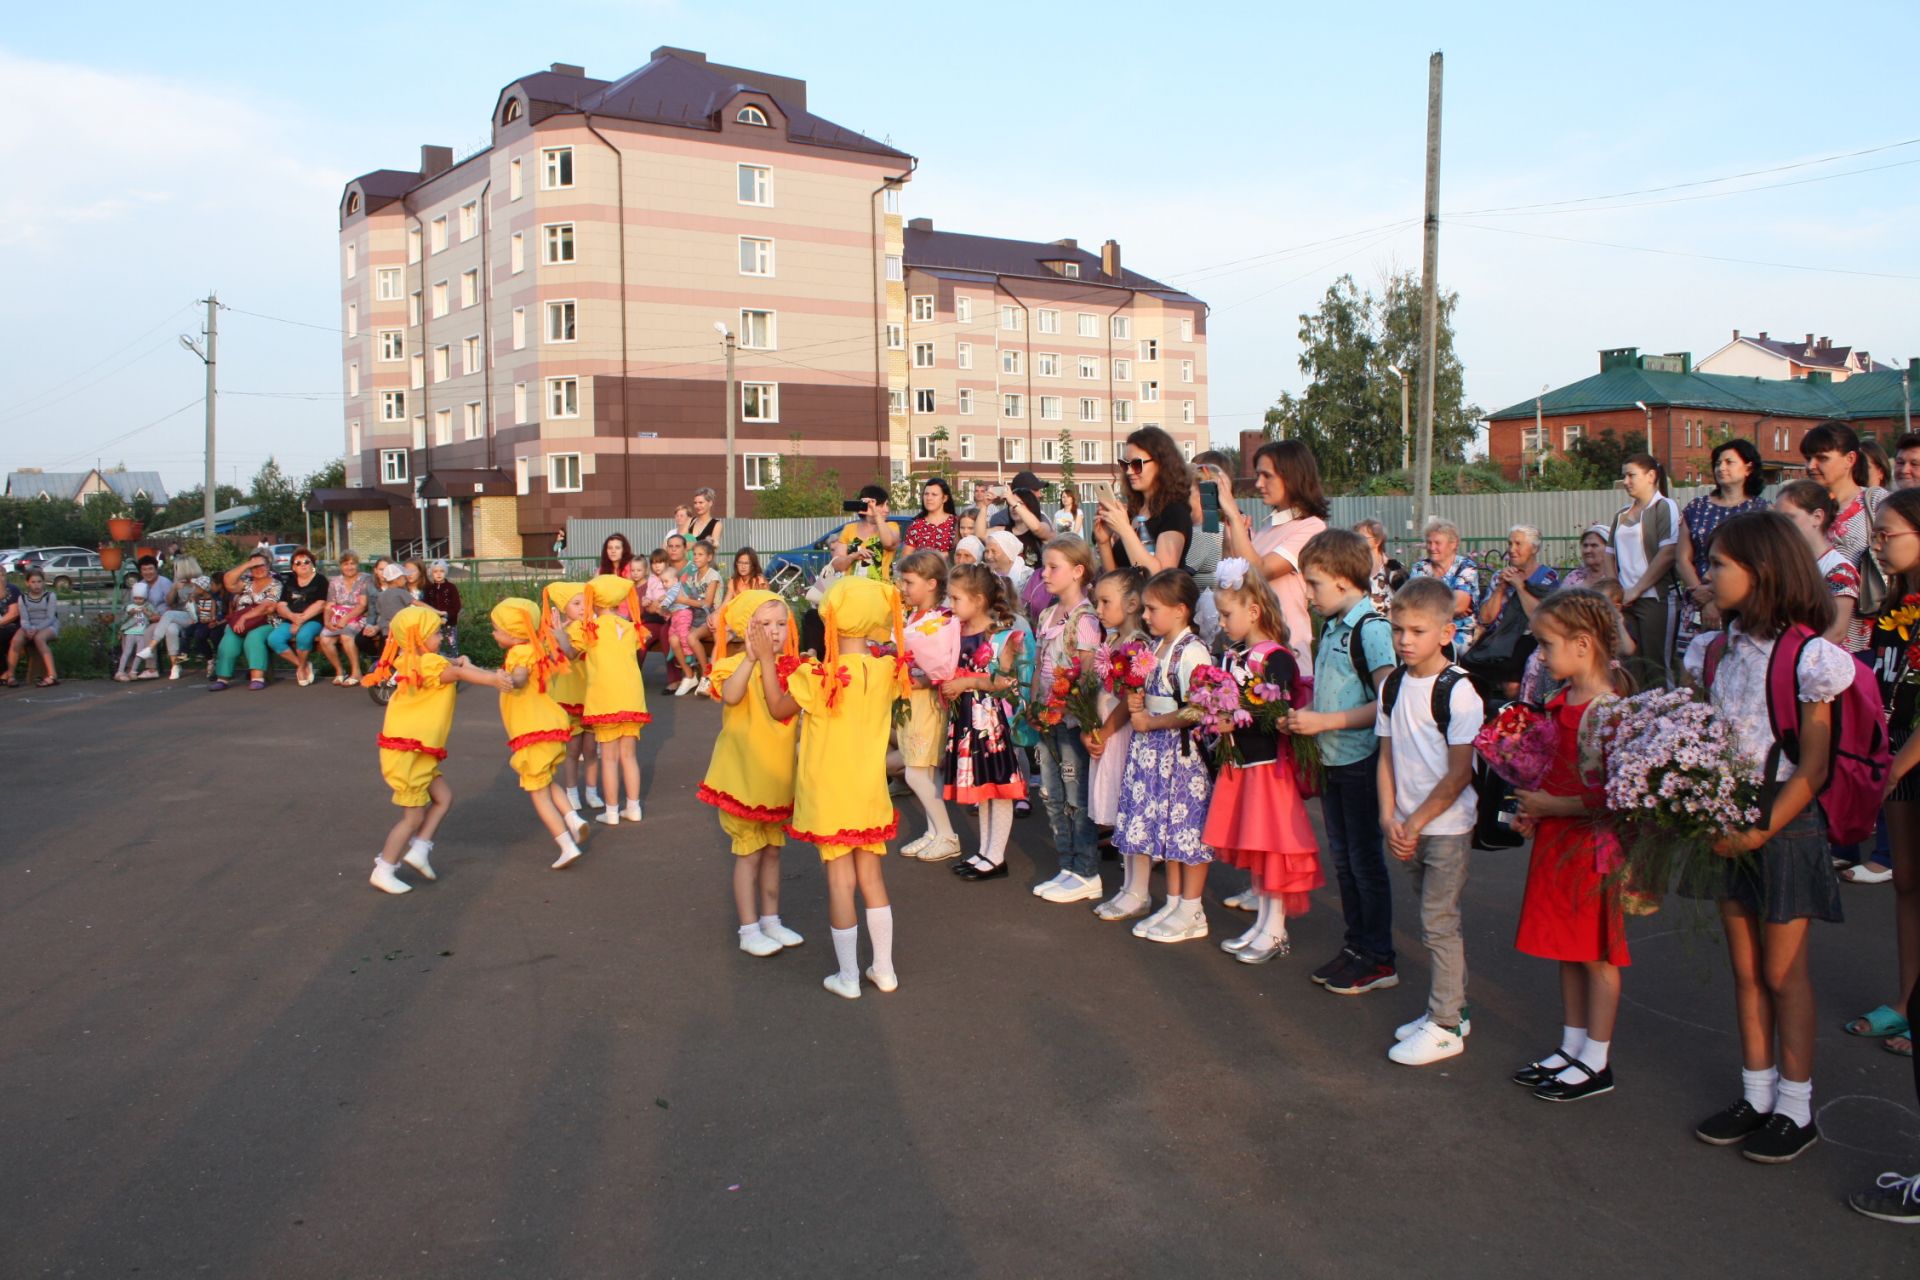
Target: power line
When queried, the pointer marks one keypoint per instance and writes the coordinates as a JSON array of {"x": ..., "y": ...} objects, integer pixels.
[
  {"x": 93, "y": 450},
  {"x": 1372, "y": 244},
  {"x": 1192, "y": 275},
  {"x": 1682, "y": 253},
  {"x": 1708, "y": 195},
  {"x": 29, "y": 405}
]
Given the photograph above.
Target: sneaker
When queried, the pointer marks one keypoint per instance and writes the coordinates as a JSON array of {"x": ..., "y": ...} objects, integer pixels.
[
  {"x": 145, "y": 655},
  {"x": 1779, "y": 1140},
  {"x": 685, "y": 687},
  {"x": 576, "y": 826},
  {"x": 611, "y": 817},
  {"x": 1894, "y": 1198},
  {"x": 757, "y": 943},
  {"x": 173, "y": 673},
  {"x": 705, "y": 686},
  {"x": 566, "y": 857},
  {"x": 912, "y": 848},
  {"x": 1060, "y": 878},
  {"x": 1074, "y": 888},
  {"x": 593, "y": 799},
  {"x": 782, "y": 935},
  {"x": 386, "y": 878},
  {"x": 941, "y": 849},
  {"x": 1335, "y": 967},
  {"x": 1867, "y": 873},
  {"x": 1429, "y": 1044},
  {"x": 1362, "y": 978},
  {"x": 845, "y": 988},
  {"x": 1734, "y": 1125},
  {"x": 1175, "y": 929},
  {"x": 1246, "y": 900},
  {"x": 573, "y": 798},
  {"x": 416, "y": 857},
  {"x": 632, "y": 812},
  {"x": 1121, "y": 907},
  {"x": 1406, "y": 1029},
  {"x": 886, "y": 982},
  {"x": 1147, "y": 922}
]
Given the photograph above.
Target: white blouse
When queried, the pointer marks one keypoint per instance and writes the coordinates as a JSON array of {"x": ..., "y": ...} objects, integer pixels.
[{"x": 1740, "y": 687}]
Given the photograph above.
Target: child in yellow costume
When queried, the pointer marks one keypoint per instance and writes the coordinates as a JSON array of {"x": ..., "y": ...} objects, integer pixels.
[
  {"x": 566, "y": 603},
  {"x": 413, "y": 739},
  {"x": 840, "y": 797},
  {"x": 750, "y": 778},
  {"x": 616, "y": 704},
  {"x": 537, "y": 727}
]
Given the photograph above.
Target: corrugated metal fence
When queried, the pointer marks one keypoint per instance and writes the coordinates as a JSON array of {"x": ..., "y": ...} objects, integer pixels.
[
  {"x": 585, "y": 536},
  {"x": 1485, "y": 517}
]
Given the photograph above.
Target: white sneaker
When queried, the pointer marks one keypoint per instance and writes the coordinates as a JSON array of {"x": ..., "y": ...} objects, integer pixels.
[
  {"x": 632, "y": 812},
  {"x": 1148, "y": 922},
  {"x": 1428, "y": 1044},
  {"x": 145, "y": 655},
  {"x": 611, "y": 817},
  {"x": 1120, "y": 907},
  {"x": 685, "y": 687},
  {"x": 845, "y": 988},
  {"x": 704, "y": 687},
  {"x": 1246, "y": 900},
  {"x": 887, "y": 982},
  {"x": 566, "y": 857},
  {"x": 1178, "y": 929},
  {"x": 782, "y": 935},
  {"x": 386, "y": 878},
  {"x": 576, "y": 826},
  {"x": 912, "y": 848},
  {"x": 416, "y": 857},
  {"x": 573, "y": 798},
  {"x": 757, "y": 943},
  {"x": 941, "y": 849},
  {"x": 593, "y": 799},
  {"x": 1059, "y": 881},
  {"x": 174, "y": 672},
  {"x": 1406, "y": 1029},
  {"x": 1074, "y": 888}
]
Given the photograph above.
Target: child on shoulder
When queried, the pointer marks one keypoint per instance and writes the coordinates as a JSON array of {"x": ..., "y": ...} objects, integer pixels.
[
  {"x": 1068, "y": 632},
  {"x": 1116, "y": 598},
  {"x": 933, "y": 654},
  {"x": 982, "y": 765},
  {"x": 538, "y": 729},
  {"x": 1429, "y": 715}
]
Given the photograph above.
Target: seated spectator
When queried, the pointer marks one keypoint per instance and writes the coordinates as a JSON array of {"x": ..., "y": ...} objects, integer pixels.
[
  {"x": 39, "y": 627},
  {"x": 174, "y": 617},
  {"x": 253, "y": 595},
  {"x": 208, "y": 613},
  {"x": 134, "y": 622},
  {"x": 9, "y": 624},
  {"x": 392, "y": 597},
  {"x": 444, "y": 596},
  {"x": 297, "y": 625},
  {"x": 349, "y": 599}
]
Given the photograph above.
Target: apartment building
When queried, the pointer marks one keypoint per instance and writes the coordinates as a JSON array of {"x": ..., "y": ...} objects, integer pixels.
[
  {"x": 530, "y": 333},
  {"x": 1024, "y": 355}
]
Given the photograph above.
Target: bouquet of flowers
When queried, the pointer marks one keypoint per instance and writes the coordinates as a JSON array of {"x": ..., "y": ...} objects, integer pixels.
[
  {"x": 1215, "y": 694},
  {"x": 1676, "y": 783},
  {"x": 1051, "y": 710},
  {"x": 1082, "y": 698},
  {"x": 1267, "y": 705},
  {"x": 1124, "y": 668},
  {"x": 1904, "y": 621},
  {"x": 1519, "y": 744}
]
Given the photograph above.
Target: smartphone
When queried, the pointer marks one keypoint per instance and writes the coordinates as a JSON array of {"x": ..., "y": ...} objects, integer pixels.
[
  {"x": 1210, "y": 506},
  {"x": 1103, "y": 492},
  {"x": 854, "y": 506}
]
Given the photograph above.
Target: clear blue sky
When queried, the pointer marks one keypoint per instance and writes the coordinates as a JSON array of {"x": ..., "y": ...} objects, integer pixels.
[{"x": 159, "y": 152}]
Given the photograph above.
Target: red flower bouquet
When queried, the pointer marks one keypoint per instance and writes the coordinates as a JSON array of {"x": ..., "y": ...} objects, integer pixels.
[
  {"x": 1124, "y": 668},
  {"x": 1519, "y": 744}
]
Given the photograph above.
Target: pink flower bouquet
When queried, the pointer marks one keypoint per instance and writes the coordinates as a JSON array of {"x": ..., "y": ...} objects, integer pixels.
[{"x": 1519, "y": 744}]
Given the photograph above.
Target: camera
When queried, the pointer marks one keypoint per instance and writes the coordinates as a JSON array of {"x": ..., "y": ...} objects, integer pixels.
[{"x": 854, "y": 506}]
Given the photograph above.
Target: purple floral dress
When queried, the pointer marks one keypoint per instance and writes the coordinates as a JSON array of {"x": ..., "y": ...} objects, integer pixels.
[{"x": 1164, "y": 794}]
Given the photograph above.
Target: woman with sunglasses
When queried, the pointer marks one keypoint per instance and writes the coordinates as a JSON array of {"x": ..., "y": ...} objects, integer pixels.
[
  {"x": 297, "y": 623},
  {"x": 1155, "y": 527}
]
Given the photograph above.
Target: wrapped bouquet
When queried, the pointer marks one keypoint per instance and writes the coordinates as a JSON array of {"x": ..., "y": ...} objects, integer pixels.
[
  {"x": 1519, "y": 744},
  {"x": 1124, "y": 668}
]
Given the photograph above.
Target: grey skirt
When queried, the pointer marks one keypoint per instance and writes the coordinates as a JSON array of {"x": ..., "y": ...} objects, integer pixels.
[{"x": 1790, "y": 877}]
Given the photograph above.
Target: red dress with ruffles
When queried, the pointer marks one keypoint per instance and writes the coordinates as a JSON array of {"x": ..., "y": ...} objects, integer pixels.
[
  {"x": 1570, "y": 911},
  {"x": 1257, "y": 819}
]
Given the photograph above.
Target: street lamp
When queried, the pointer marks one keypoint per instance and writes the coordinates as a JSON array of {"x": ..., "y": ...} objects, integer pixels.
[
  {"x": 1642, "y": 406},
  {"x": 1406, "y": 431},
  {"x": 733, "y": 408}
]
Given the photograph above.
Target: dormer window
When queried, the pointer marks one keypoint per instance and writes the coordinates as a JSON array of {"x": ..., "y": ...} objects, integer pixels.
[
  {"x": 510, "y": 112},
  {"x": 1071, "y": 270},
  {"x": 353, "y": 202},
  {"x": 751, "y": 114}
]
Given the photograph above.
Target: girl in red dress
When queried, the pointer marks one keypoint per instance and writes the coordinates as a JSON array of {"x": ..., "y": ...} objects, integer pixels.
[{"x": 1571, "y": 912}]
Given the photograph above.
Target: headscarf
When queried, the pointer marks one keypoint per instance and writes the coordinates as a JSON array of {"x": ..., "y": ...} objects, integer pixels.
[
  {"x": 555, "y": 599},
  {"x": 610, "y": 591},
  {"x": 859, "y": 607},
  {"x": 522, "y": 619},
  {"x": 407, "y": 638},
  {"x": 1009, "y": 544},
  {"x": 973, "y": 544},
  {"x": 737, "y": 614},
  {"x": 1605, "y": 532}
]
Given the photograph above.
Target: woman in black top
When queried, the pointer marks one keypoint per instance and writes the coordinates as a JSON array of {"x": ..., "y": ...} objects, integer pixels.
[
  {"x": 303, "y": 595},
  {"x": 705, "y": 526},
  {"x": 1155, "y": 528}
]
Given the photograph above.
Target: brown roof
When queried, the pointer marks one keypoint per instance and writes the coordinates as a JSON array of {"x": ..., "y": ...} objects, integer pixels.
[
  {"x": 442, "y": 482},
  {"x": 990, "y": 255},
  {"x": 1820, "y": 354},
  {"x": 368, "y": 499}
]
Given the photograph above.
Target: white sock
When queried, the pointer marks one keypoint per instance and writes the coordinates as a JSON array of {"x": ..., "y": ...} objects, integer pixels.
[
  {"x": 1139, "y": 870},
  {"x": 1572, "y": 1039},
  {"x": 880, "y": 934},
  {"x": 996, "y": 825},
  {"x": 567, "y": 845},
  {"x": 925, "y": 785},
  {"x": 1760, "y": 1088},
  {"x": 1795, "y": 1101},
  {"x": 611, "y": 812},
  {"x": 1189, "y": 912},
  {"x": 1593, "y": 1054},
  {"x": 1169, "y": 908},
  {"x": 1272, "y": 921},
  {"x": 846, "y": 949},
  {"x": 748, "y": 930},
  {"x": 573, "y": 797},
  {"x": 419, "y": 846}
]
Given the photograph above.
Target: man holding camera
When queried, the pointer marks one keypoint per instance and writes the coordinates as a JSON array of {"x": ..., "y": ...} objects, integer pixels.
[{"x": 866, "y": 546}]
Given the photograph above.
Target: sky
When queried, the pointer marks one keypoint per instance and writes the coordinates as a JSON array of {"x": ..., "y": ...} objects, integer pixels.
[{"x": 1251, "y": 153}]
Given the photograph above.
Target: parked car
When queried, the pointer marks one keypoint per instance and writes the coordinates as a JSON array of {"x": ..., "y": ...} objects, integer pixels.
[
  {"x": 11, "y": 554},
  {"x": 283, "y": 554},
  {"x": 814, "y": 557},
  {"x": 69, "y": 569},
  {"x": 38, "y": 556}
]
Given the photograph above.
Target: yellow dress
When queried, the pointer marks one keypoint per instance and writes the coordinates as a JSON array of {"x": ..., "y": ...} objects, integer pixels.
[
  {"x": 840, "y": 799},
  {"x": 413, "y": 738},
  {"x": 568, "y": 689},
  {"x": 750, "y": 778},
  {"x": 537, "y": 726},
  {"x": 616, "y": 702}
]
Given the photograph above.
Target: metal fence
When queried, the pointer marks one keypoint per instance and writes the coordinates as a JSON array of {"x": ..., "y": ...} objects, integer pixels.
[
  {"x": 1485, "y": 516},
  {"x": 584, "y": 536}
]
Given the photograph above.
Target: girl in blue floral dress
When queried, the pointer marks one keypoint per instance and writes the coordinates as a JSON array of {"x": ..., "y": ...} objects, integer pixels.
[{"x": 1163, "y": 799}]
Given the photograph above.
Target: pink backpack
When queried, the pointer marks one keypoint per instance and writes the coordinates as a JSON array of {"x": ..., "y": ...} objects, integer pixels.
[{"x": 1857, "y": 773}]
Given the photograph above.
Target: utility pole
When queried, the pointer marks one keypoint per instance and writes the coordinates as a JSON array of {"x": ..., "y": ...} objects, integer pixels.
[
  {"x": 1429, "y": 299},
  {"x": 209, "y": 356}
]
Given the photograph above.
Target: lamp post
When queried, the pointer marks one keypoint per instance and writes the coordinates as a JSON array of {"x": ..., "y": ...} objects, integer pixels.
[
  {"x": 1642, "y": 406},
  {"x": 1406, "y": 427},
  {"x": 733, "y": 408}
]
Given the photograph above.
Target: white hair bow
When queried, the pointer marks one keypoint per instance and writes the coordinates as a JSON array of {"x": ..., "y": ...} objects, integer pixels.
[{"x": 1230, "y": 573}]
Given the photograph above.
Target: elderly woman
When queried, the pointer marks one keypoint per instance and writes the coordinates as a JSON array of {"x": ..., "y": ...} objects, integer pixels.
[
  {"x": 349, "y": 596},
  {"x": 1389, "y": 575},
  {"x": 303, "y": 595},
  {"x": 1519, "y": 588},
  {"x": 253, "y": 594},
  {"x": 1445, "y": 562},
  {"x": 1596, "y": 558}
]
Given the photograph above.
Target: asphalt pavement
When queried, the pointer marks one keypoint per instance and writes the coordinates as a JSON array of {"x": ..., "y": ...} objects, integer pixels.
[{"x": 223, "y": 1054}]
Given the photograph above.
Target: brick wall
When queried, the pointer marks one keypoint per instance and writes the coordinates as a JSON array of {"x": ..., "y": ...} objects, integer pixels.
[
  {"x": 1682, "y": 438},
  {"x": 370, "y": 534},
  {"x": 496, "y": 533}
]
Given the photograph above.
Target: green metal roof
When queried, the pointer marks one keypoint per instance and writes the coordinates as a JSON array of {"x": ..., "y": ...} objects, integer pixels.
[{"x": 1865, "y": 395}]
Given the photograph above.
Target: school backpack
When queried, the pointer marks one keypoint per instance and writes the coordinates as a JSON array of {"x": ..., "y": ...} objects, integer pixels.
[
  {"x": 1859, "y": 757},
  {"x": 1442, "y": 704},
  {"x": 1357, "y": 652}
]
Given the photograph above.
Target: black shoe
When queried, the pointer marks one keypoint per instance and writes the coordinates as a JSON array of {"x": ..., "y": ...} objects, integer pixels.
[
  {"x": 967, "y": 865},
  {"x": 1497, "y": 838},
  {"x": 1364, "y": 976},
  {"x": 1022, "y": 809},
  {"x": 1594, "y": 1083},
  {"x": 1336, "y": 967},
  {"x": 1734, "y": 1125},
  {"x": 971, "y": 872},
  {"x": 1779, "y": 1140},
  {"x": 1896, "y": 1198},
  {"x": 1535, "y": 1074}
]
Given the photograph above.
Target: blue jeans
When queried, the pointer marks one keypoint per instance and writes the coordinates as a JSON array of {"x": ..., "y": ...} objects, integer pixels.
[
  {"x": 1350, "y": 805},
  {"x": 1065, "y": 769},
  {"x": 282, "y": 637}
]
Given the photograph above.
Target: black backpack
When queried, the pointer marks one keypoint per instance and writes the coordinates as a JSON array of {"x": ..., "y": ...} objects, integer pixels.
[
  {"x": 1357, "y": 652},
  {"x": 1442, "y": 705}
]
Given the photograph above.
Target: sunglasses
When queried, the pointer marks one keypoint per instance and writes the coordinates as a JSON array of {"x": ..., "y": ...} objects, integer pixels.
[
  {"x": 303, "y": 562},
  {"x": 1134, "y": 464}
]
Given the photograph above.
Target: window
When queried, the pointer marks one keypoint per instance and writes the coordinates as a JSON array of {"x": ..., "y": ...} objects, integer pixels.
[
  {"x": 922, "y": 307},
  {"x": 923, "y": 400},
  {"x": 469, "y": 220},
  {"x": 1533, "y": 439},
  {"x": 756, "y": 185},
  {"x": 413, "y": 307},
  {"x": 519, "y": 328},
  {"x": 1047, "y": 364},
  {"x": 556, "y": 168},
  {"x": 560, "y": 318},
  {"x": 517, "y": 252},
  {"x": 563, "y": 473},
  {"x": 1123, "y": 411},
  {"x": 393, "y": 344},
  {"x": 417, "y": 367},
  {"x": 1010, "y": 406},
  {"x": 353, "y": 438},
  {"x": 1014, "y": 448},
  {"x": 442, "y": 426},
  {"x": 760, "y": 402},
  {"x": 1089, "y": 409},
  {"x": 353, "y": 261},
  {"x": 1186, "y": 371},
  {"x": 1186, "y": 411},
  {"x": 757, "y": 330},
  {"x": 1090, "y": 451},
  {"x": 469, "y": 287},
  {"x": 1050, "y": 408},
  {"x": 437, "y": 233},
  {"x": 896, "y": 337},
  {"x": 1186, "y": 450},
  {"x": 419, "y": 432},
  {"x": 1149, "y": 392},
  {"x": 923, "y": 355},
  {"x": 470, "y": 419},
  {"x": 964, "y": 398},
  {"x": 413, "y": 244},
  {"x": 891, "y": 202},
  {"x": 1186, "y": 328},
  {"x": 559, "y": 242},
  {"x": 442, "y": 363},
  {"x": 1149, "y": 349},
  {"x": 1046, "y": 320},
  {"x": 897, "y": 471},
  {"x": 393, "y": 466},
  {"x": 514, "y": 187},
  {"x": 1071, "y": 270},
  {"x": 1570, "y": 435},
  {"x": 896, "y": 400},
  {"x": 563, "y": 397},
  {"x": 520, "y": 402},
  {"x": 762, "y": 470},
  {"x": 926, "y": 449},
  {"x": 1087, "y": 325},
  {"x": 1012, "y": 360},
  {"x": 440, "y": 299},
  {"x": 1049, "y": 449},
  {"x": 896, "y": 270},
  {"x": 756, "y": 256},
  {"x": 1122, "y": 369},
  {"x": 353, "y": 378},
  {"x": 752, "y": 115},
  {"x": 353, "y": 319},
  {"x": 386, "y": 284},
  {"x": 963, "y": 354},
  {"x": 1010, "y": 318},
  {"x": 510, "y": 113},
  {"x": 963, "y": 309},
  {"x": 966, "y": 448},
  {"x": 1122, "y": 328},
  {"x": 393, "y": 406},
  {"x": 470, "y": 354},
  {"x": 1089, "y": 367},
  {"x": 522, "y": 474}
]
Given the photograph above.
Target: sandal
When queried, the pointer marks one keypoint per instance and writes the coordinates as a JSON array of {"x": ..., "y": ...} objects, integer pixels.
[
  {"x": 48, "y": 682},
  {"x": 1867, "y": 873},
  {"x": 1900, "y": 1046},
  {"x": 1881, "y": 1023}
]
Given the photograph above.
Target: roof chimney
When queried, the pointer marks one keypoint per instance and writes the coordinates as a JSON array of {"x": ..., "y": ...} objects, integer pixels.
[
  {"x": 1763, "y": 335},
  {"x": 685, "y": 55},
  {"x": 1736, "y": 335},
  {"x": 1110, "y": 259},
  {"x": 1826, "y": 343},
  {"x": 1809, "y": 339},
  {"x": 919, "y": 224},
  {"x": 1067, "y": 243},
  {"x": 435, "y": 160},
  {"x": 568, "y": 69}
]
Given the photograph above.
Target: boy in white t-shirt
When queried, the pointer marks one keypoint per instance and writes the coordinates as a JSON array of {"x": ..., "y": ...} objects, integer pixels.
[{"x": 1429, "y": 714}]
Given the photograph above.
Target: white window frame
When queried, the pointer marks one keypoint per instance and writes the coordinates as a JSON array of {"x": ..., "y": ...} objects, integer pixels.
[
  {"x": 963, "y": 355},
  {"x": 393, "y": 466},
  {"x": 922, "y": 310},
  {"x": 470, "y": 354},
  {"x": 923, "y": 355},
  {"x": 520, "y": 404},
  {"x": 1186, "y": 448},
  {"x": 1013, "y": 361},
  {"x": 1050, "y": 409},
  {"x": 1009, "y": 317},
  {"x": 963, "y": 400},
  {"x": 443, "y": 362},
  {"x": 353, "y": 439},
  {"x": 516, "y": 186},
  {"x": 1089, "y": 409},
  {"x": 926, "y": 449},
  {"x": 966, "y": 448},
  {"x": 1186, "y": 371},
  {"x": 896, "y": 337},
  {"x": 1149, "y": 350},
  {"x": 1122, "y": 369},
  {"x": 1090, "y": 368},
  {"x": 768, "y": 322},
  {"x": 389, "y": 284},
  {"x": 890, "y": 202},
  {"x": 413, "y": 245},
  {"x": 1186, "y": 411},
  {"x": 353, "y": 377},
  {"x": 353, "y": 260},
  {"x": 414, "y": 307},
  {"x": 391, "y": 346},
  {"x": 751, "y": 115},
  {"x": 1090, "y": 452},
  {"x": 762, "y": 250},
  {"x": 1533, "y": 439},
  {"x": 768, "y": 396},
  {"x": 519, "y": 328},
  {"x": 1071, "y": 270},
  {"x": 925, "y": 401},
  {"x": 897, "y": 401},
  {"x": 437, "y": 235},
  {"x": 1571, "y": 434},
  {"x": 442, "y": 299},
  {"x": 555, "y": 237},
  {"x": 1122, "y": 328},
  {"x": 556, "y": 168},
  {"x": 1122, "y": 412},
  {"x": 1149, "y": 392},
  {"x": 1049, "y": 450},
  {"x": 1012, "y": 405},
  {"x": 470, "y": 420},
  {"x": 896, "y": 268},
  {"x": 1014, "y": 448},
  {"x": 563, "y": 397},
  {"x": 353, "y": 319},
  {"x": 419, "y": 432},
  {"x": 1046, "y": 320},
  {"x": 1046, "y": 364},
  {"x": 760, "y": 470},
  {"x": 563, "y": 473},
  {"x": 1186, "y": 328},
  {"x": 963, "y": 309},
  {"x": 1086, "y": 324},
  {"x": 566, "y": 310},
  {"x": 517, "y": 252},
  {"x": 522, "y": 469},
  {"x": 442, "y": 427},
  {"x": 469, "y": 287},
  {"x": 469, "y": 220},
  {"x": 753, "y": 185},
  {"x": 417, "y": 368}
]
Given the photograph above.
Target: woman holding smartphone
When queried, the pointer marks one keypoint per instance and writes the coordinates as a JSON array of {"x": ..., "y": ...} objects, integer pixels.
[
  {"x": 1288, "y": 480},
  {"x": 1155, "y": 526}
]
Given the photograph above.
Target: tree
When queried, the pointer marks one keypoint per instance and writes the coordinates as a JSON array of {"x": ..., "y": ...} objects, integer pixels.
[
  {"x": 276, "y": 499},
  {"x": 1067, "y": 463},
  {"x": 801, "y": 489},
  {"x": 184, "y": 506},
  {"x": 1349, "y": 415}
]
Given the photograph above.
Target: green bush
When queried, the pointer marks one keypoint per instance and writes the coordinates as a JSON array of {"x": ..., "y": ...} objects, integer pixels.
[
  {"x": 476, "y": 622},
  {"x": 86, "y": 648}
]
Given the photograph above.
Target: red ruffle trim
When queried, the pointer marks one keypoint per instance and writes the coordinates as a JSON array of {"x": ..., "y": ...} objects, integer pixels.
[
  {"x": 851, "y": 839},
  {"x": 411, "y": 744},
  {"x": 740, "y": 809},
  {"x": 619, "y": 717},
  {"x": 574, "y": 709},
  {"x": 1014, "y": 790},
  {"x": 540, "y": 735}
]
